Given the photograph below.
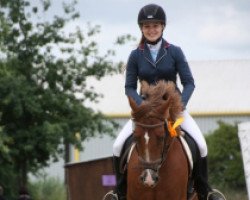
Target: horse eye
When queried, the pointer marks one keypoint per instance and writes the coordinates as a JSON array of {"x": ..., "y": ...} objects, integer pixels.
[
  {"x": 144, "y": 96},
  {"x": 135, "y": 139}
]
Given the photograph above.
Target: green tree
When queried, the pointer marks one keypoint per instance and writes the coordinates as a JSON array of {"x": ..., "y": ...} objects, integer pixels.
[
  {"x": 44, "y": 68},
  {"x": 225, "y": 160}
]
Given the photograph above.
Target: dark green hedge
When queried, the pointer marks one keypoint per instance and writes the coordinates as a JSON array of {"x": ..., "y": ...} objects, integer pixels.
[{"x": 224, "y": 157}]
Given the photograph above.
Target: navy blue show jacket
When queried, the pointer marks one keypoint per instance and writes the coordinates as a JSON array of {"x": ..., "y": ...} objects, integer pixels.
[{"x": 169, "y": 63}]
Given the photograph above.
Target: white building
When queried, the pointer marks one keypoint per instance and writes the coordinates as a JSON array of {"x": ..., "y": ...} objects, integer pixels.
[{"x": 222, "y": 93}]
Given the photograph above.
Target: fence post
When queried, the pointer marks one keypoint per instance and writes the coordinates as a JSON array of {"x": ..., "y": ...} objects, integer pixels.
[{"x": 244, "y": 137}]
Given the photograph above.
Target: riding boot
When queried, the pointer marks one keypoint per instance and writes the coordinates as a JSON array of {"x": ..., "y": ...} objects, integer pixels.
[
  {"x": 121, "y": 181},
  {"x": 201, "y": 178},
  {"x": 201, "y": 181}
]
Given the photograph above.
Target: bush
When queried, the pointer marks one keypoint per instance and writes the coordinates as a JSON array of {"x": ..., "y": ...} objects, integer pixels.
[
  {"x": 225, "y": 160},
  {"x": 48, "y": 189},
  {"x": 8, "y": 180}
]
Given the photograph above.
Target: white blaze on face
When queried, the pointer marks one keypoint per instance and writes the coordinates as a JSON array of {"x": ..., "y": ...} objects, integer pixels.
[
  {"x": 146, "y": 137},
  {"x": 148, "y": 180}
]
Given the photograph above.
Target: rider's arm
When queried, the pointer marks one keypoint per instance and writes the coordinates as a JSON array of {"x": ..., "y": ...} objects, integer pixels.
[{"x": 132, "y": 78}]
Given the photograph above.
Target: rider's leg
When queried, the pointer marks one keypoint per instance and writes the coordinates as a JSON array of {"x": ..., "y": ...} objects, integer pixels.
[
  {"x": 121, "y": 183},
  {"x": 121, "y": 138},
  {"x": 200, "y": 170},
  {"x": 190, "y": 126}
]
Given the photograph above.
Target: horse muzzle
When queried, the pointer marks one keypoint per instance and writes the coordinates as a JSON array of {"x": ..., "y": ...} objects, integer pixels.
[{"x": 149, "y": 178}]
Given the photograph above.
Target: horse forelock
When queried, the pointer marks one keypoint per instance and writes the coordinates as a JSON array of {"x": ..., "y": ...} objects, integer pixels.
[
  {"x": 143, "y": 111},
  {"x": 155, "y": 96}
]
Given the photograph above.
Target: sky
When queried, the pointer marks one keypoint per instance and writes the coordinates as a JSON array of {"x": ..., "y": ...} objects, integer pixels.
[{"x": 205, "y": 30}]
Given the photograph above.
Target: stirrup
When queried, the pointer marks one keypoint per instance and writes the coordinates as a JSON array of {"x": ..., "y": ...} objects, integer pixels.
[
  {"x": 217, "y": 193},
  {"x": 110, "y": 196}
]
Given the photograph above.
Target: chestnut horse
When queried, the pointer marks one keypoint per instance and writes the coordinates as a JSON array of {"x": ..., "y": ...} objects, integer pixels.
[{"x": 158, "y": 167}]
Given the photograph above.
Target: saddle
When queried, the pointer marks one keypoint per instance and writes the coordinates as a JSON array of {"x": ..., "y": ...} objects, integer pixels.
[{"x": 193, "y": 153}]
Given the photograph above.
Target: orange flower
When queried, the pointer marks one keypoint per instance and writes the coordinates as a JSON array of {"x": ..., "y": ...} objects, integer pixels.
[{"x": 172, "y": 126}]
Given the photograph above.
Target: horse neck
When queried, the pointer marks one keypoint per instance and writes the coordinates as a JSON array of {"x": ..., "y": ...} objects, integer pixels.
[{"x": 169, "y": 143}]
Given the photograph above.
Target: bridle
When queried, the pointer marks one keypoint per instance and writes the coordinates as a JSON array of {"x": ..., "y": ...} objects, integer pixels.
[{"x": 155, "y": 165}]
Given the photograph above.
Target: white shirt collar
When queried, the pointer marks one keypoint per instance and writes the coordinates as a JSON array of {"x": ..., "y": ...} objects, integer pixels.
[{"x": 155, "y": 46}]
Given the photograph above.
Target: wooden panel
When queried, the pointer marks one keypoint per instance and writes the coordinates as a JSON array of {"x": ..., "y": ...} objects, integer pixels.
[{"x": 84, "y": 180}]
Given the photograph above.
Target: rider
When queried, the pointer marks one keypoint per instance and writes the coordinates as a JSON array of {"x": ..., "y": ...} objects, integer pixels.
[{"x": 155, "y": 59}]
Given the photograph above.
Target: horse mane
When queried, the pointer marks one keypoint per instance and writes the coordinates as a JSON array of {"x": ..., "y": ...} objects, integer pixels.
[{"x": 155, "y": 96}]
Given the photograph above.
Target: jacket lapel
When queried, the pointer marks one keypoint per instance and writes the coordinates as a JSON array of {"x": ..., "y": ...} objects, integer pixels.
[
  {"x": 162, "y": 52},
  {"x": 148, "y": 56}
]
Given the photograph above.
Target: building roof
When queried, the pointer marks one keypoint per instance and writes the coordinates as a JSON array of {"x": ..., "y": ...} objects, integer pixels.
[{"x": 221, "y": 87}]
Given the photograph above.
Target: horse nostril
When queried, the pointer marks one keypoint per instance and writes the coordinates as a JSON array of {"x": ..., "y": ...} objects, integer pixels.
[
  {"x": 142, "y": 178},
  {"x": 155, "y": 177}
]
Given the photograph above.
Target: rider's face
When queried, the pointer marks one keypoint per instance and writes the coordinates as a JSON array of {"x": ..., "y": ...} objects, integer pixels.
[{"x": 152, "y": 30}]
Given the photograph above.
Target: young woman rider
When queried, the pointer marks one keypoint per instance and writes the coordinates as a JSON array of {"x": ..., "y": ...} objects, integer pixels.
[{"x": 155, "y": 59}]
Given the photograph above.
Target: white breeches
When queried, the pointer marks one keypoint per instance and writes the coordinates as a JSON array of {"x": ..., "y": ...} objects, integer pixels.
[
  {"x": 121, "y": 138},
  {"x": 188, "y": 125}
]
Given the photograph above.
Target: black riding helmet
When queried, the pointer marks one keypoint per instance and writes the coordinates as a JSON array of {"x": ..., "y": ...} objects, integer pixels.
[{"x": 151, "y": 12}]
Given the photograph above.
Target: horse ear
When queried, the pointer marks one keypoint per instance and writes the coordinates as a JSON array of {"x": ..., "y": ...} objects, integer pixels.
[{"x": 132, "y": 104}]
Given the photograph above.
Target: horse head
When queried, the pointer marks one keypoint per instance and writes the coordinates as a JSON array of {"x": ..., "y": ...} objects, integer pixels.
[{"x": 162, "y": 104}]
